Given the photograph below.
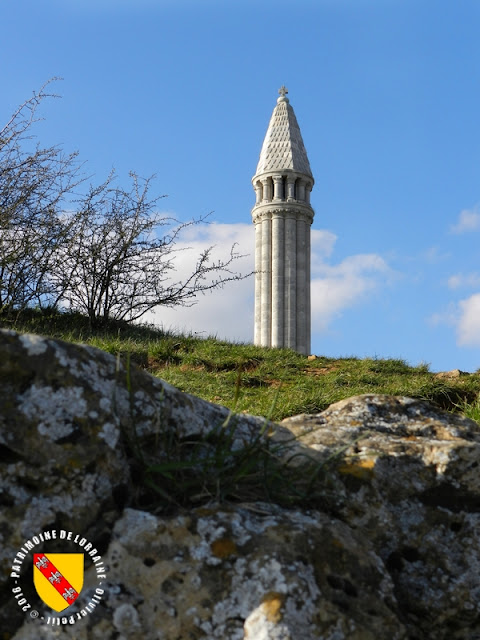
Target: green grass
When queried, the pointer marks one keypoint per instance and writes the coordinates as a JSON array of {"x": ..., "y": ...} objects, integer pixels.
[
  {"x": 274, "y": 383},
  {"x": 250, "y": 379}
]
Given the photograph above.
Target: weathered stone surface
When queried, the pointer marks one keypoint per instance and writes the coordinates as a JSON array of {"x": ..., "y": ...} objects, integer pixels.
[
  {"x": 282, "y": 575},
  {"x": 410, "y": 483},
  {"x": 231, "y": 573},
  {"x": 451, "y": 375},
  {"x": 67, "y": 413},
  {"x": 392, "y": 552}
]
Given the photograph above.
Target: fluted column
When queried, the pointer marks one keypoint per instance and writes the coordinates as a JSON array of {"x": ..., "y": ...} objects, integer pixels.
[
  {"x": 301, "y": 340},
  {"x": 308, "y": 190},
  {"x": 266, "y": 286},
  {"x": 290, "y": 280},
  {"x": 267, "y": 196},
  {"x": 290, "y": 195},
  {"x": 277, "y": 188},
  {"x": 301, "y": 189},
  {"x": 258, "y": 283},
  {"x": 258, "y": 193},
  {"x": 308, "y": 276},
  {"x": 278, "y": 278}
]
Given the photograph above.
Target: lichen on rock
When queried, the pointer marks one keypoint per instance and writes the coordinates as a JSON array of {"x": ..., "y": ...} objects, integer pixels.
[{"x": 387, "y": 547}]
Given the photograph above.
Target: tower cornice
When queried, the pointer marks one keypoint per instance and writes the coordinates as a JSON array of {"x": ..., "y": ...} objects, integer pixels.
[{"x": 285, "y": 209}]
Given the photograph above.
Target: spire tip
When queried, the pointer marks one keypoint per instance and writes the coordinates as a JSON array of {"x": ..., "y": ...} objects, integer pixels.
[{"x": 283, "y": 94}]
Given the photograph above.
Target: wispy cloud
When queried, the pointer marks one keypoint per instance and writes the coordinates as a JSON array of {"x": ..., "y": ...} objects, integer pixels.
[
  {"x": 464, "y": 317},
  {"x": 323, "y": 244},
  {"x": 460, "y": 280},
  {"x": 468, "y": 220},
  {"x": 449, "y": 316},
  {"x": 340, "y": 287},
  {"x": 468, "y": 327},
  {"x": 434, "y": 255}
]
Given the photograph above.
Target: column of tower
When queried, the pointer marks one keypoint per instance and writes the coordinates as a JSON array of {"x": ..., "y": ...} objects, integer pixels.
[{"x": 282, "y": 216}]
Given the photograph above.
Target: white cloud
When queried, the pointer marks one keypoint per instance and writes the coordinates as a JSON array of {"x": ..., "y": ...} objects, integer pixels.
[
  {"x": 447, "y": 317},
  {"x": 464, "y": 280},
  {"x": 339, "y": 287},
  {"x": 323, "y": 243},
  {"x": 468, "y": 327},
  {"x": 468, "y": 220},
  {"x": 434, "y": 255},
  {"x": 464, "y": 316},
  {"x": 228, "y": 312}
]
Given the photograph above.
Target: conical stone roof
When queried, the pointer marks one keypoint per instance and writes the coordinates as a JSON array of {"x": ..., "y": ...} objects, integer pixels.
[{"x": 283, "y": 146}]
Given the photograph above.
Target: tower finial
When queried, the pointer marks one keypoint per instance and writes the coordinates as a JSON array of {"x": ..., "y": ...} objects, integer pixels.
[{"x": 283, "y": 94}]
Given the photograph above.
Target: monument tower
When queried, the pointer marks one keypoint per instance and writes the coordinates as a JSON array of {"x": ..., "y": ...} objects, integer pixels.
[{"x": 282, "y": 216}]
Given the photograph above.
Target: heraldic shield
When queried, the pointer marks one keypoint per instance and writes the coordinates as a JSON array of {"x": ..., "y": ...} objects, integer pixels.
[{"x": 58, "y": 578}]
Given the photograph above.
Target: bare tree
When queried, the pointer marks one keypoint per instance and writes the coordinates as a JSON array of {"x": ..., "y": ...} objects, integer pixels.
[
  {"x": 109, "y": 254},
  {"x": 119, "y": 262},
  {"x": 34, "y": 181}
]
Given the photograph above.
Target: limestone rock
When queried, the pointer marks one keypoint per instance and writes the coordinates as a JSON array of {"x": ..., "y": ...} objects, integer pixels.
[
  {"x": 451, "y": 375},
  {"x": 70, "y": 413},
  {"x": 409, "y": 482},
  {"x": 69, "y": 418},
  {"x": 389, "y": 546}
]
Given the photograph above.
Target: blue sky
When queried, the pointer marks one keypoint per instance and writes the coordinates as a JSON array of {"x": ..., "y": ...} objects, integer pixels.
[{"x": 387, "y": 95}]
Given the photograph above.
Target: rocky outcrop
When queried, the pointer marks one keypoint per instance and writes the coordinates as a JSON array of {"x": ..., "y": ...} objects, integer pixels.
[
  {"x": 385, "y": 544},
  {"x": 410, "y": 484},
  {"x": 451, "y": 375}
]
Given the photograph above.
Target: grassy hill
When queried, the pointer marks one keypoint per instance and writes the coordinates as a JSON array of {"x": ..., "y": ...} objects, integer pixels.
[{"x": 270, "y": 382}]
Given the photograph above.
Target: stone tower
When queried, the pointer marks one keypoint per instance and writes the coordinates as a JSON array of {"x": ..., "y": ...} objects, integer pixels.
[{"x": 282, "y": 216}]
